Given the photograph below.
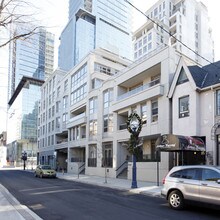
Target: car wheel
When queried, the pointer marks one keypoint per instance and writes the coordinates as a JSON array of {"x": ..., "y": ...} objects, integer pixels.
[{"x": 176, "y": 200}]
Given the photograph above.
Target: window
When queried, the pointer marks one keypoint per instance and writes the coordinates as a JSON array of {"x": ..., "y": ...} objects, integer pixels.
[
  {"x": 184, "y": 107},
  {"x": 144, "y": 112},
  {"x": 96, "y": 83},
  {"x": 108, "y": 98},
  {"x": 182, "y": 77},
  {"x": 57, "y": 106},
  {"x": 149, "y": 36},
  {"x": 154, "y": 111},
  {"x": 53, "y": 110},
  {"x": 64, "y": 117},
  {"x": 135, "y": 46},
  {"x": 93, "y": 127},
  {"x": 145, "y": 40},
  {"x": 58, "y": 122},
  {"x": 93, "y": 102},
  {"x": 107, "y": 155},
  {"x": 140, "y": 43},
  {"x": 65, "y": 102},
  {"x": 78, "y": 85},
  {"x": 150, "y": 46},
  {"x": 52, "y": 126},
  {"x": 66, "y": 85},
  {"x": 58, "y": 91},
  {"x": 108, "y": 123},
  {"x": 218, "y": 102},
  {"x": 210, "y": 175},
  {"x": 49, "y": 113},
  {"x": 192, "y": 174}
]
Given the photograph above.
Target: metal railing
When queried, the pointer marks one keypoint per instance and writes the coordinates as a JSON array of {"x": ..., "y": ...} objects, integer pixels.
[
  {"x": 92, "y": 162},
  {"x": 139, "y": 89},
  {"x": 122, "y": 167}
]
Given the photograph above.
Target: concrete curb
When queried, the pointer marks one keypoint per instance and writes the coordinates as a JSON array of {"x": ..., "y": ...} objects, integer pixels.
[{"x": 9, "y": 204}]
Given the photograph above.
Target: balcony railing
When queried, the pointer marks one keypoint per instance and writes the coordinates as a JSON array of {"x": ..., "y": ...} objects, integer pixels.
[
  {"x": 77, "y": 159},
  {"x": 62, "y": 141},
  {"x": 139, "y": 89},
  {"x": 92, "y": 162},
  {"x": 77, "y": 117},
  {"x": 123, "y": 126}
]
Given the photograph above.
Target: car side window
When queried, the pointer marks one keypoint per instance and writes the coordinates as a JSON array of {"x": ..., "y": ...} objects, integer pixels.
[
  {"x": 210, "y": 175},
  {"x": 186, "y": 174}
]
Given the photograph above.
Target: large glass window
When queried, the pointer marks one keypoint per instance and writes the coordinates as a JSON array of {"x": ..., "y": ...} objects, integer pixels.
[
  {"x": 79, "y": 85},
  {"x": 184, "y": 107}
]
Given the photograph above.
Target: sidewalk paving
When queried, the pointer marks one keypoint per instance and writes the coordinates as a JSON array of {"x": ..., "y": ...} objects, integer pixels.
[
  {"x": 144, "y": 187},
  {"x": 11, "y": 209}
]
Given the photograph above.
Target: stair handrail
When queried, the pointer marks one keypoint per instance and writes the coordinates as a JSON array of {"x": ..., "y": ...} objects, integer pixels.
[{"x": 121, "y": 167}]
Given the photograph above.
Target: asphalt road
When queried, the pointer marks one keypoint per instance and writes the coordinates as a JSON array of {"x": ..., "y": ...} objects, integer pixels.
[{"x": 56, "y": 199}]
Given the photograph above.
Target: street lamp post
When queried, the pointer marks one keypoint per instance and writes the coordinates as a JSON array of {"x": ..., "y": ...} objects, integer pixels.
[
  {"x": 134, "y": 125},
  {"x": 24, "y": 158}
]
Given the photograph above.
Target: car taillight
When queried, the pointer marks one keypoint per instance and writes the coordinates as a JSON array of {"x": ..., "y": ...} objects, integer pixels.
[{"x": 164, "y": 179}]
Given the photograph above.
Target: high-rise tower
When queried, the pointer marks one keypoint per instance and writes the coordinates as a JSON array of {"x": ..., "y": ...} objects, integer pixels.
[
  {"x": 93, "y": 24},
  {"x": 187, "y": 22},
  {"x": 30, "y": 63}
]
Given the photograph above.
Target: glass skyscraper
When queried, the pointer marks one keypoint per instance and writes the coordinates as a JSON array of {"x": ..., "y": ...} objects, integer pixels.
[
  {"x": 31, "y": 62},
  {"x": 93, "y": 24}
]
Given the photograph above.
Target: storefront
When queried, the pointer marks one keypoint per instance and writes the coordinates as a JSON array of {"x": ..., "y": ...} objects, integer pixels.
[{"x": 183, "y": 150}]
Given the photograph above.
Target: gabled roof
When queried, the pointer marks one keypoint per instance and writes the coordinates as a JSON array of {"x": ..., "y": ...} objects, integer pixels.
[
  {"x": 181, "y": 65},
  {"x": 207, "y": 75},
  {"x": 199, "y": 77}
]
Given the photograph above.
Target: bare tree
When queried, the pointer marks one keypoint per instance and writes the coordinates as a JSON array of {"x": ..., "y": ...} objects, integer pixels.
[{"x": 15, "y": 14}]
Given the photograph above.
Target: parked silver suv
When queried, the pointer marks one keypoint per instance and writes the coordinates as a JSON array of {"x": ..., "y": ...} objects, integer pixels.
[{"x": 199, "y": 183}]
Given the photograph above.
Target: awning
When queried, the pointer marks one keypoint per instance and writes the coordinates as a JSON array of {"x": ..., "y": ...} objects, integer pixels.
[{"x": 170, "y": 142}]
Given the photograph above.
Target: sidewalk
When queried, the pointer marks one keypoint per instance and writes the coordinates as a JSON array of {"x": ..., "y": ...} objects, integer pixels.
[
  {"x": 11, "y": 209},
  {"x": 147, "y": 188}
]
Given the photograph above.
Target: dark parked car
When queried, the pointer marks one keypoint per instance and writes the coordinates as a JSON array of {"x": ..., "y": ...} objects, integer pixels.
[{"x": 198, "y": 183}]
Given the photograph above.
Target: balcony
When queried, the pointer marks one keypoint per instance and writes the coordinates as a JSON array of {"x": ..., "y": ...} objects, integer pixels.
[
  {"x": 62, "y": 143},
  {"x": 145, "y": 92},
  {"x": 78, "y": 119},
  {"x": 139, "y": 89}
]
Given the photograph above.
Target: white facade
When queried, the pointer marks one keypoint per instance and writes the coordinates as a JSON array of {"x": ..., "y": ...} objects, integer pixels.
[
  {"x": 186, "y": 20},
  {"x": 89, "y": 132},
  {"x": 203, "y": 116}
]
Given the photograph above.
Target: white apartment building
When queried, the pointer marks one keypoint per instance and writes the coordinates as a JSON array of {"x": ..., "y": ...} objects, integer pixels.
[
  {"x": 187, "y": 21},
  {"x": 74, "y": 119},
  {"x": 84, "y": 112}
]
